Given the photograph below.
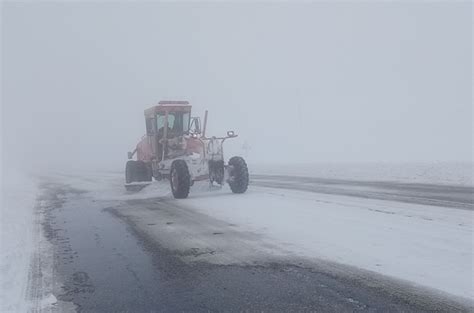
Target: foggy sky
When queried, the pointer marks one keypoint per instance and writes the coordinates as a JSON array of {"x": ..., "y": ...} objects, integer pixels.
[{"x": 301, "y": 82}]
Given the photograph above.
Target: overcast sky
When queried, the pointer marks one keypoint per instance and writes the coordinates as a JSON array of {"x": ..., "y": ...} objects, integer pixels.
[{"x": 307, "y": 82}]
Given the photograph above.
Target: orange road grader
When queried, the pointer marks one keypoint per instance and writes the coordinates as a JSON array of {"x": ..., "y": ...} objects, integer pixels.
[{"x": 175, "y": 147}]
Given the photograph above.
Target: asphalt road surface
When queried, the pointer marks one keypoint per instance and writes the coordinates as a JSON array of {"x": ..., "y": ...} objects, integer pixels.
[
  {"x": 429, "y": 194},
  {"x": 154, "y": 255}
]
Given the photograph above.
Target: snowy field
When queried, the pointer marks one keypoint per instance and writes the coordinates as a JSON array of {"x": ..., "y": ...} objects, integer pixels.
[{"x": 424, "y": 245}]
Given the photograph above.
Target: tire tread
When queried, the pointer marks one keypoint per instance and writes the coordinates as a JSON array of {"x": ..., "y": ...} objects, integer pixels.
[
  {"x": 240, "y": 174},
  {"x": 184, "y": 179}
]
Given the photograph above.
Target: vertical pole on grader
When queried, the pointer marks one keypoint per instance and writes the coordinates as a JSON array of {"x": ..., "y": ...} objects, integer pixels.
[{"x": 205, "y": 124}]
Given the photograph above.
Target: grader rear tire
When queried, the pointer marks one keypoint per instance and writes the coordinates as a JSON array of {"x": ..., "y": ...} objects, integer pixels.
[
  {"x": 239, "y": 175},
  {"x": 130, "y": 171}
]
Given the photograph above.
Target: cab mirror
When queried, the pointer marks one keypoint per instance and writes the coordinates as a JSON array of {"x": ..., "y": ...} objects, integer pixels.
[
  {"x": 130, "y": 155},
  {"x": 195, "y": 125}
]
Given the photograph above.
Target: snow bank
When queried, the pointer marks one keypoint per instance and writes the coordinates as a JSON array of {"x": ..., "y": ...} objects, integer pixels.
[
  {"x": 443, "y": 173},
  {"x": 19, "y": 194}
]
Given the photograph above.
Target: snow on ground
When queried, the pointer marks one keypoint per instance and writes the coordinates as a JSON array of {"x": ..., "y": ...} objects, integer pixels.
[
  {"x": 426, "y": 245},
  {"x": 444, "y": 173},
  {"x": 18, "y": 200},
  {"x": 431, "y": 246},
  {"x": 108, "y": 185}
]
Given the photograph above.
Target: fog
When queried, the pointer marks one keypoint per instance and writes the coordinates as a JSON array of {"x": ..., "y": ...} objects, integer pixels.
[{"x": 300, "y": 82}]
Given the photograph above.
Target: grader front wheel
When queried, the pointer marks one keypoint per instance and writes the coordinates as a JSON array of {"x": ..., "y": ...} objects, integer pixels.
[{"x": 180, "y": 180}]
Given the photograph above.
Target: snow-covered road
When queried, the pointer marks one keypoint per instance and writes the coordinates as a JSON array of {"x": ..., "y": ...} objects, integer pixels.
[
  {"x": 389, "y": 252},
  {"x": 427, "y": 245}
]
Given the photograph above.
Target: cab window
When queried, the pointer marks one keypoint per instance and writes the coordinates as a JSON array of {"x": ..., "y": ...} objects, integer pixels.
[
  {"x": 160, "y": 121},
  {"x": 178, "y": 123},
  {"x": 149, "y": 126}
]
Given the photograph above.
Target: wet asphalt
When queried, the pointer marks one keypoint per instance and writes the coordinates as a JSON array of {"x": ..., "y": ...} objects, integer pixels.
[
  {"x": 459, "y": 197},
  {"x": 104, "y": 263}
]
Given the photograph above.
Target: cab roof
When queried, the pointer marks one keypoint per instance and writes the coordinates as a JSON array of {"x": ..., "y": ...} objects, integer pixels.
[{"x": 168, "y": 105}]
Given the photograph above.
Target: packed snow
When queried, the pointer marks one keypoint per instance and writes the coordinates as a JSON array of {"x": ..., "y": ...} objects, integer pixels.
[{"x": 426, "y": 245}]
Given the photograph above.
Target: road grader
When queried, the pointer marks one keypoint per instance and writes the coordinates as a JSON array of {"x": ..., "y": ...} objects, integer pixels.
[{"x": 176, "y": 147}]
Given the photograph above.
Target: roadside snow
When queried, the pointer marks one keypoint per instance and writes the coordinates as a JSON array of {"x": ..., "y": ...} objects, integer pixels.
[{"x": 18, "y": 200}]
